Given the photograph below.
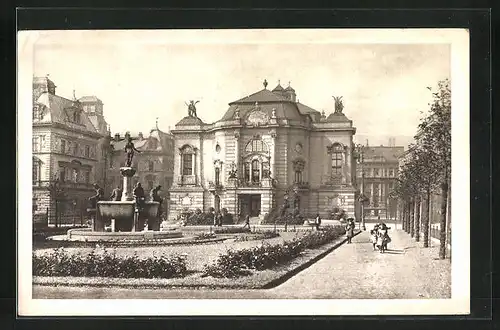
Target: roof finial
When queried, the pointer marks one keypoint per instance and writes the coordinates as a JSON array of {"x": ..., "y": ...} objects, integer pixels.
[
  {"x": 157, "y": 123},
  {"x": 265, "y": 84},
  {"x": 279, "y": 82},
  {"x": 289, "y": 83},
  {"x": 74, "y": 95}
]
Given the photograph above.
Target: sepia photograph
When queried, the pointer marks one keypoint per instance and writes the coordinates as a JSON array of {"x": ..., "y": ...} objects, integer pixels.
[{"x": 240, "y": 172}]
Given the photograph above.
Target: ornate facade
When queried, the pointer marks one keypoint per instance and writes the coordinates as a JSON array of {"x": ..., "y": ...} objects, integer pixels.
[
  {"x": 67, "y": 148},
  {"x": 264, "y": 146}
]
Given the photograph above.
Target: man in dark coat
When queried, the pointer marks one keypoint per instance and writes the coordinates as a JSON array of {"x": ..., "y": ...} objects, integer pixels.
[
  {"x": 116, "y": 195},
  {"x": 139, "y": 196},
  {"x": 99, "y": 195}
]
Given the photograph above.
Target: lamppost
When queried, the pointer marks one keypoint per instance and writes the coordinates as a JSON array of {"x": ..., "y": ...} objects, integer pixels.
[{"x": 362, "y": 198}]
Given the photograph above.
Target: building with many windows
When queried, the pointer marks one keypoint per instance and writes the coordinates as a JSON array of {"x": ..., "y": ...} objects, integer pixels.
[
  {"x": 67, "y": 146},
  {"x": 154, "y": 163},
  {"x": 265, "y": 146},
  {"x": 380, "y": 169}
]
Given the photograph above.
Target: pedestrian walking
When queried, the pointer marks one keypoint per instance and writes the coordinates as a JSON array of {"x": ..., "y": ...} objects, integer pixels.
[
  {"x": 350, "y": 230},
  {"x": 317, "y": 221},
  {"x": 247, "y": 221},
  {"x": 374, "y": 236}
]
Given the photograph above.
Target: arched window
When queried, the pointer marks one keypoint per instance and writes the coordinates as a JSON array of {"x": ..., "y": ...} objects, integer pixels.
[
  {"x": 217, "y": 176},
  {"x": 187, "y": 160},
  {"x": 151, "y": 166},
  {"x": 256, "y": 146},
  {"x": 255, "y": 171}
]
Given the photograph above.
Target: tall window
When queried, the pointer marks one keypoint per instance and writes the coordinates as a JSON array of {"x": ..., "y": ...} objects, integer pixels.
[
  {"x": 63, "y": 146},
  {"x": 36, "y": 144},
  {"x": 36, "y": 170},
  {"x": 75, "y": 148},
  {"x": 298, "y": 167},
  {"x": 375, "y": 172},
  {"x": 151, "y": 166},
  {"x": 87, "y": 151},
  {"x": 86, "y": 176},
  {"x": 217, "y": 176},
  {"x": 298, "y": 176},
  {"x": 187, "y": 164},
  {"x": 62, "y": 174},
  {"x": 336, "y": 152},
  {"x": 255, "y": 171},
  {"x": 247, "y": 172},
  {"x": 187, "y": 160}
]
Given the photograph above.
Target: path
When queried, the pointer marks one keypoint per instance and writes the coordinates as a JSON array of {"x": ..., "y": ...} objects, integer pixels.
[{"x": 353, "y": 271}]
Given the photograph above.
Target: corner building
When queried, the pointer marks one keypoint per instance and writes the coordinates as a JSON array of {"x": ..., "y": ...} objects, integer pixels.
[{"x": 265, "y": 145}]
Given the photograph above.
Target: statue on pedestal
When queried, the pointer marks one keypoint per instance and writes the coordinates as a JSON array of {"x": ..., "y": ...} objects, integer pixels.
[
  {"x": 192, "y": 108},
  {"x": 339, "y": 105},
  {"x": 99, "y": 195},
  {"x": 129, "y": 150}
]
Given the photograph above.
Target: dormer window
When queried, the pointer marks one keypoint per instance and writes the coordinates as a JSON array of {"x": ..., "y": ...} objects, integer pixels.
[
  {"x": 76, "y": 117},
  {"x": 36, "y": 112}
]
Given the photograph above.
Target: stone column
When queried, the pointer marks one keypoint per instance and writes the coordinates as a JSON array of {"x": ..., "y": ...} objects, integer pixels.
[
  {"x": 349, "y": 166},
  {"x": 372, "y": 193},
  {"x": 273, "y": 155},
  {"x": 237, "y": 150},
  {"x": 127, "y": 173},
  {"x": 197, "y": 166}
]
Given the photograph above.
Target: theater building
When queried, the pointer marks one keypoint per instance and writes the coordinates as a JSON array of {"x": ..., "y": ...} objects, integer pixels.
[{"x": 264, "y": 146}]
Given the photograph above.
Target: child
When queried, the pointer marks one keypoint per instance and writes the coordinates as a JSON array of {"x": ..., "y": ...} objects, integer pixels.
[{"x": 373, "y": 236}]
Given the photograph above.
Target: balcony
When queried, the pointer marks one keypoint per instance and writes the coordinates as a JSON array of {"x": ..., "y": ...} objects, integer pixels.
[
  {"x": 214, "y": 187},
  {"x": 333, "y": 181},
  {"x": 187, "y": 180},
  {"x": 301, "y": 185}
]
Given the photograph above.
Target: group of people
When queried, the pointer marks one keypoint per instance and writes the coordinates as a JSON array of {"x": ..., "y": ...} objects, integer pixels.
[
  {"x": 380, "y": 237},
  {"x": 139, "y": 196}
]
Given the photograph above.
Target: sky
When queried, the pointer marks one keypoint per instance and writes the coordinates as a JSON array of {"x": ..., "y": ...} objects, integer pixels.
[{"x": 144, "y": 75}]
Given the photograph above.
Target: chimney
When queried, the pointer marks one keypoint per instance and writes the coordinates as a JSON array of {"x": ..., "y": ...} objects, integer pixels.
[
  {"x": 141, "y": 136},
  {"x": 367, "y": 143},
  {"x": 117, "y": 137}
]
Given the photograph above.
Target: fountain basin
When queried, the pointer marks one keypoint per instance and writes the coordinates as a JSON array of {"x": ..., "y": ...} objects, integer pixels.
[
  {"x": 123, "y": 214},
  {"x": 86, "y": 235}
]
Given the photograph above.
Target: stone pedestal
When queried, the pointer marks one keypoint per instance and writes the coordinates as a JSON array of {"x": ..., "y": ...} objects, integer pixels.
[{"x": 127, "y": 173}]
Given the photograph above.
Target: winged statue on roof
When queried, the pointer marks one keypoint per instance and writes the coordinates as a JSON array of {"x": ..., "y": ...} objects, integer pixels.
[
  {"x": 192, "y": 108},
  {"x": 339, "y": 104}
]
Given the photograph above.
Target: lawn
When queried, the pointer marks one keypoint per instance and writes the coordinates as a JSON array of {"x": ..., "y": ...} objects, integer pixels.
[{"x": 196, "y": 255}]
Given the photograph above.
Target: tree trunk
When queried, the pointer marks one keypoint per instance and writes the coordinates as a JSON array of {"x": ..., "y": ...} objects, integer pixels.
[
  {"x": 442, "y": 224},
  {"x": 448, "y": 225},
  {"x": 404, "y": 216},
  {"x": 417, "y": 219},
  {"x": 412, "y": 218},
  {"x": 57, "y": 213},
  {"x": 425, "y": 218},
  {"x": 408, "y": 217},
  {"x": 402, "y": 213}
]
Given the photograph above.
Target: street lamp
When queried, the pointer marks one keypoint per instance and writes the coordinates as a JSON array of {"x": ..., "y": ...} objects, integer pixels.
[{"x": 362, "y": 198}]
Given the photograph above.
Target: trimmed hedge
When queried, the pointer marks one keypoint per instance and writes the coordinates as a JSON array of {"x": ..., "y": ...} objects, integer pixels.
[
  {"x": 257, "y": 235},
  {"x": 61, "y": 263},
  {"x": 231, "y": 230},
  {"x": 237, "y": 263}
]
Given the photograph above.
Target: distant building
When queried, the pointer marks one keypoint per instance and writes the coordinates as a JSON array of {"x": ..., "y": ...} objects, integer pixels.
[
  {"x": 380, "y": 167},
  {"x": 265, "y": 146},
  {"x": 155, "y": 163},
  {"x": 67, "y": 147}
]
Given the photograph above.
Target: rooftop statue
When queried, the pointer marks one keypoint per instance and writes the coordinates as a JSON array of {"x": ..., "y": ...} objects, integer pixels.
[
  {"x": 192, "y": 108},
  {"x": 339, "y": 105}
]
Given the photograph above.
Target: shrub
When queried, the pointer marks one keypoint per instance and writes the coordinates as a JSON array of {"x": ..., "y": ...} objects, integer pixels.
[
  {"x": 231, "y": 230},
  {"x": 205, "y": 236},
  {"x": 235, "y": 263},
  {"x": 62, "y": 263},
  {"x": 257, "y": 236}
]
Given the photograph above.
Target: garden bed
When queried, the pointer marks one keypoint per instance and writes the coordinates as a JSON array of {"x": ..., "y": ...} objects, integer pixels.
[{"x": 254, "y": 280}]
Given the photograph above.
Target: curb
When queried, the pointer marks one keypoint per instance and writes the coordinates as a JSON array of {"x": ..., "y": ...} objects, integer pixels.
[{"x": 283, "y": 278}]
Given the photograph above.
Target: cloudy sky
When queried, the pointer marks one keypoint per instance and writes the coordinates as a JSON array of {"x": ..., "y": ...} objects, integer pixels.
[{"x": 141, "y": 75}]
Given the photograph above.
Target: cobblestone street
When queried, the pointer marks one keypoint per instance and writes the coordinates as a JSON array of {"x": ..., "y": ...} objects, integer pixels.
[{"x": 353, "y": 271}]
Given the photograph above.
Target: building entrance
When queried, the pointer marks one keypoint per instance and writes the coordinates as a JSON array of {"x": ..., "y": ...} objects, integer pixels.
[{"x": 250, "y": 204}]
